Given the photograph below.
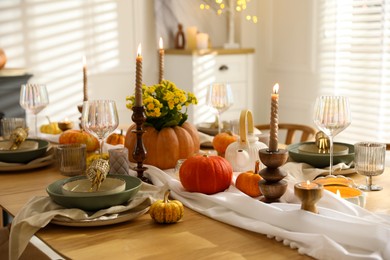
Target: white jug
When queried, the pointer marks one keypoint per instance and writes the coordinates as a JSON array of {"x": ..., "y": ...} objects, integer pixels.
[{"x": 244, "y": 153}]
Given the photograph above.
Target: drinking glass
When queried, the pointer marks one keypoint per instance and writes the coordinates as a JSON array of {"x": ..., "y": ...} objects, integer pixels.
[
  {"x": 370, "y": 161},
  {"x": 34, "y": 98},
  {"x": 332, "y": 115},
  {"x": 99, "y": 118},
  {"x": 220, "y": 97}
]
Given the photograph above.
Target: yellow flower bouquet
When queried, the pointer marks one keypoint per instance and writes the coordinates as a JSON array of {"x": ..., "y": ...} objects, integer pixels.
[{"x": 165, "y": 104}]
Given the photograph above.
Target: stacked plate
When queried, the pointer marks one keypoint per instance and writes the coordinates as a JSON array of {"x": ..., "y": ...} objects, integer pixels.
[
  {"x": 30, "y": 149},
  {"x": 75, "y": 192},
  {"x": 308, "y": 152}
]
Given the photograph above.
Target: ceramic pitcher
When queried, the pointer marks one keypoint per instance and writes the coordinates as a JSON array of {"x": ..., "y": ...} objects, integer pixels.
[{"x": 244, "y": 153}]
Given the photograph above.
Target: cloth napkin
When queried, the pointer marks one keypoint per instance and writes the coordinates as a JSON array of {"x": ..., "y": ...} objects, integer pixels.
[
  {"x": 39, "y": 211},
  {"x": 341, "y": 230}
]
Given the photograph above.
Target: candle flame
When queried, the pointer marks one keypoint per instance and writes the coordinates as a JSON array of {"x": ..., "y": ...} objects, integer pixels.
[
  {"x": 308, "y": 182},
  {"x": 139, "y": 50},
  {"x": 161, "y": 43},
  {"x": 338, "y": 193},
  {"x": 84, "y": 60},
  {"x": 276, "y": 88}
]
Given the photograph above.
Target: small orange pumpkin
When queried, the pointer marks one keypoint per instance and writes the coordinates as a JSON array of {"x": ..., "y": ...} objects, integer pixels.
[
  {"x": 115, "y": 138},
  {"x": 206, "y": 174},
  {"x": 222, "y": 140},
  {"x": 3, "y": 58},
  {"x": 248, "y": 182},
  {"x": 79, "y": 137}
]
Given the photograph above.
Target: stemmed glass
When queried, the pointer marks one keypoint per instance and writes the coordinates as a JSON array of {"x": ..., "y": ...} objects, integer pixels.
[
  {"x": 34, "y": 98},
  {"x": 370, "y": 161},
  {"x": 99, "y": 118},
  {"x": 332, "y": 115},
  {"x": 220, "y": 97}
]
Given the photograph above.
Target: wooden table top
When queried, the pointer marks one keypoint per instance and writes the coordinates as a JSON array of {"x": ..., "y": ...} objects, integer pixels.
[{"x": 195, "y": 237}]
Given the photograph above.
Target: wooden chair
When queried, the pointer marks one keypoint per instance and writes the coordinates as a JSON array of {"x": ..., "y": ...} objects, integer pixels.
[{"x": 307, "y": 133}]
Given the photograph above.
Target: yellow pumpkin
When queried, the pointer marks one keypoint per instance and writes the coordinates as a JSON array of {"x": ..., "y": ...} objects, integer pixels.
[
  {"x": 79, "y": 137},
  {"x": 166, "y": 211},
  {"x": 51, "y": 128},
  {"x": 115, "y": 138},
  {"x": 165, "y": 147}
]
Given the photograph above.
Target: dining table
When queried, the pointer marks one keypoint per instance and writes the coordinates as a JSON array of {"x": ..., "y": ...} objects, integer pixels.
[{"x": 195, "y": 236}]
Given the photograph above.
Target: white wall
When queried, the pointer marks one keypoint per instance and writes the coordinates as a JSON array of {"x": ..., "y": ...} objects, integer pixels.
[
  {"x": 49, "y": 38},
  {"x": 285, "y": 42}
]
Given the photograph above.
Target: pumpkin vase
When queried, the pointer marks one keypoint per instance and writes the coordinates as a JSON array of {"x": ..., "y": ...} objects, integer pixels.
[{"x": 165, "y": 147}]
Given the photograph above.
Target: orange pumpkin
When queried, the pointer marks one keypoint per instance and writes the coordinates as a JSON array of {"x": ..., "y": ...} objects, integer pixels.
[
  {"x": 79, "y": 137},
  {"x": 165, "y": 147},
  {"x": 115, "y": 138},
  {"x": 222, "y": 140},
  {"x": 3, "y": 58},
  {"x": 206, "y": 174},
  {"x": 248, "y": 182}
]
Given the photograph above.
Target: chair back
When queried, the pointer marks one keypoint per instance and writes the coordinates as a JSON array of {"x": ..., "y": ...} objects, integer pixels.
[{"x": 293, "y": 131}]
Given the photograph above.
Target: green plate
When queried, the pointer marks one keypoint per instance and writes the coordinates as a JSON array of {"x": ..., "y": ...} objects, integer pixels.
[
  {"x": 24, "y": 156},
  {"x": 320, "y": 160},
  {"x": 93, "y": 203}
]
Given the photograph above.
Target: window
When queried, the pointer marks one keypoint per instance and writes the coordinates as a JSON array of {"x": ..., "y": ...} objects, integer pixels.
[{"x": 355, "y": 62}]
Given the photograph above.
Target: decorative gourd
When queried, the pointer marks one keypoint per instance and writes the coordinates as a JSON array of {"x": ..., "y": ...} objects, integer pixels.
[
  {"x": 115, "y": 138},
  {"x": 79, "y": 137},
  {"x": 222, "y": 140},
  {"x": 206, "y": 174},
  {"x": 51, "y": 128},
  {"x": 166, "y": 211},
  {"x": 165, "y": 147},
  {"x": 248, "y": 182}
]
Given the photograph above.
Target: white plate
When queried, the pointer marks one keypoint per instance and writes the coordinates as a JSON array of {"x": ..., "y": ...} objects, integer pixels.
[
  {"x": 82, "y": 187},
  {"x": 101, "y": 221}
]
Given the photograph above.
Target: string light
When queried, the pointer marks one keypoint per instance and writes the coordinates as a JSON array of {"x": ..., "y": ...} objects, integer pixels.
[{"x": 221, "y": 7}]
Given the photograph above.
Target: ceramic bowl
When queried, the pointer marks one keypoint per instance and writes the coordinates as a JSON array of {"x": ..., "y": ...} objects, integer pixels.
[
  {"x": 24, "y": 155},
  {"x": 82, "y": 187},
  {"x": 93, "y": 202},
  {"x": 320, "y": 160}
]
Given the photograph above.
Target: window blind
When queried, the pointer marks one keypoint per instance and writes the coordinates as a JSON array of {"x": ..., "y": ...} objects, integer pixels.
[{"x": 354, "y": 61}]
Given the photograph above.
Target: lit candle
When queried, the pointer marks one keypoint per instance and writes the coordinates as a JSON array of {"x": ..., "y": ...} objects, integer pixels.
[
  {"x": 161, "y": 54},
  {"x": 309, "y": 193},
  {"x": 308, "y": 185},
  {"x": 138, "y": 78},
  {"x": 85, "y": 90},
  {"x": 273, "y": 139},
  {"x": 351, "y": 194},
  {"x": 65, "y": 125}
]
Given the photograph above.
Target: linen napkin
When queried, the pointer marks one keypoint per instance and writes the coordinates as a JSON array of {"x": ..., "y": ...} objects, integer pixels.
[
  {"x": 39, "y": 211},
  {"x": 341, "y": 229}
]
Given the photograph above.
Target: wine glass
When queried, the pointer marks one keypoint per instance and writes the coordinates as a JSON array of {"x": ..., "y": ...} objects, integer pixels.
[
  {"x": 220, "y": 97},
  {"x": 332, "y": 115},
  {"x": 370, "y": 161},
  {"x": 34, "y": 98},
  {"x": 99, "y": 118}
]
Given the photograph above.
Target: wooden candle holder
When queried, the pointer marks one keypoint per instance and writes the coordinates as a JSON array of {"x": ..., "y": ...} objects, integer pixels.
[
  {"x": 309, "y": 194},
  {"x": 272, "y": 186},
  {"x": 139, "y": 152}
]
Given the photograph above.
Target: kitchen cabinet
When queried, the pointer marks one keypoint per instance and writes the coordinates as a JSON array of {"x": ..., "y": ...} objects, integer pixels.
[{"x": 195, "y": 70}]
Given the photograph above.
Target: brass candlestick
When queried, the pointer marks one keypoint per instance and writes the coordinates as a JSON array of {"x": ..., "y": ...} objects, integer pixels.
[
  {"x": 139, "y": 152},
  {"x": 309, "y": 193},
  {"x": 272, "y": 186}
]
